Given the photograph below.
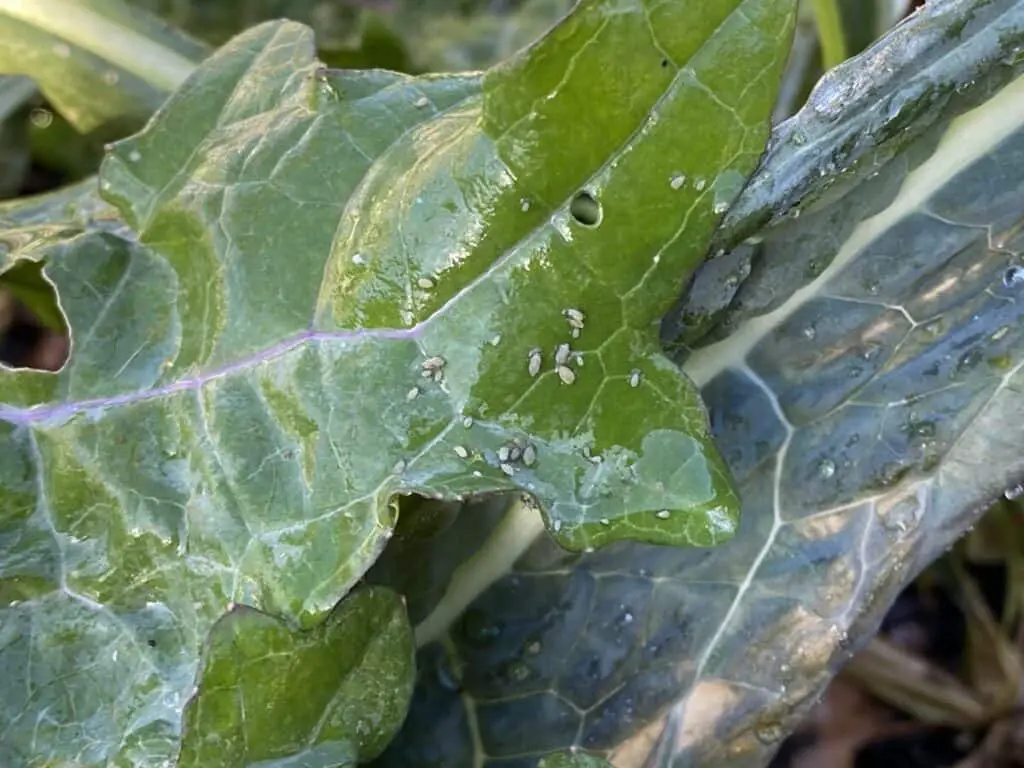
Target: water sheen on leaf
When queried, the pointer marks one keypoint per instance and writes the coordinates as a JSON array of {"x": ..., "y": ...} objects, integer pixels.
[{"x": 246, "y": 397}]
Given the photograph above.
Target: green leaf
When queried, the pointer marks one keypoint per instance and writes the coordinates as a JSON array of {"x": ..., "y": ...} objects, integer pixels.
[
  {"x": 869, "y": 408},
  {"x": 101, "y": 63},
  {"x": 15, "y": 157},
  {"x": 332, "y": 696},
  {"x": 244, "y": 400}
]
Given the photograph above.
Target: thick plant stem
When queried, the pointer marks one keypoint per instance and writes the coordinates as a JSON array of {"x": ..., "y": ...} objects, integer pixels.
[{"x": 830, "y": 32}]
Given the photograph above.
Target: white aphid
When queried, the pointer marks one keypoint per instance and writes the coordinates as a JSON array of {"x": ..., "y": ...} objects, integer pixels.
[
  {"x": 412, "y": 394},
  {"x": 575, "y": 333},
  {"x": 566, "y": 374},
  {"x": 508, "y": 469},
  {"x": 467, "y": 422},
  {"x": 425, "y": 283},
  {"x": 515, "y": 453},
  {"x": 574, "y": 316},
  {"x": 634, "y": 378},
  {"x": 496, "y": 340},
  {"x": 529, "y": 455},
  {"x": 399, "y": 467},
  {"x": 579, "y": 360},
  {"x": 503, "y": 453},
  {"x": 422, "y": 102},
  {"x": 535, "y": 362},
  {"x": 461, "y": 452},
  {"x": 562, "y": 353},
  {"x": 663, "y": 515},
  {"x": 677, "y": 181}
]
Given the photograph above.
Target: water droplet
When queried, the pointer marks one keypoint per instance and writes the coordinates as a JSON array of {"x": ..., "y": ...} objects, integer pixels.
[
  {"x": 41, "y": 118},
  {"x": 134, "y": 156},
  {"x": 677, "y": 181},
  {"x": 663, "y": 514},
  {"x": 826, "y": 468}
]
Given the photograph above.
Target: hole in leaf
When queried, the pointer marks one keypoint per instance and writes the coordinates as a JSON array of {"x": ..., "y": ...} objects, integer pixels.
[
  {"x": 1014, "y": 276},
  {"x": 585, "y": 209},
  {"x": 664, "y": 62},
  {"x": 33, "y": 332}
]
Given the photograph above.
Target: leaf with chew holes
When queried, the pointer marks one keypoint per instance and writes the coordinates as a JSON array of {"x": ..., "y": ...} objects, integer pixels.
[{"x": 246, "y": 393}]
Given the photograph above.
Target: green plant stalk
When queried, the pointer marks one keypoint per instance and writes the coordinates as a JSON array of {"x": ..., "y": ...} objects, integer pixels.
[{"x": 830, "y": 32}]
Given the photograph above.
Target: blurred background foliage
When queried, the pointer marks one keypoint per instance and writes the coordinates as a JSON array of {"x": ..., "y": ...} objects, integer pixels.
[{"x": 940, "y": 685}]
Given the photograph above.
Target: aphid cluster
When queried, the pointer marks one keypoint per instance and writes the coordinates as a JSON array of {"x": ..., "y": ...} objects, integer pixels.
[
  {"x": 563, "y": 352},
  {"x": 513, "y": 452},
  {"x": 433, "y": 367}
]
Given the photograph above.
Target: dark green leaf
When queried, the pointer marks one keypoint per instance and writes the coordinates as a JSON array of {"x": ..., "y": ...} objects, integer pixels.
[
  {"x": 572, "y": 760},
  {"x": 272, "y": 696},
  {"x": 868, "y": 396}
]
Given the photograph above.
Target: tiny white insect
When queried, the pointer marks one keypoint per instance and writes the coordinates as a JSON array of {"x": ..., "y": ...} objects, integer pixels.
[
  {"x": 634, "y": 378},
  {"x": 566, "y": 374},
  {"x": 461, "y": 452},
  {"x": 575, "y": 333},
  {"x": 412, "y": 394},
  {"x": 503, "y": 453},
  {"x": 422, "y": 101},
  {"x": 534, "y": 363},
  {"x": 574, "y": 316},
  {"x": 529, "y": 455},
  {"x": 515, "y": 453},
  {"x": 562, "y": 353},
  {"x": 663, "y": 515},
  {"x": 467, "y": 422},
  {"x": 605, "y": 521},
  {"x": 508, "y": 469},
  {"x": 677, "y": 181},
  {"x": 524, "y": 205},
  {"x": 399, "y": 467},
  {"x": 425, "y": 283},
  {"x": 358, "y": 258},
  {"x": 496, "y": 340},
  {"x": 579, "y": 360}
]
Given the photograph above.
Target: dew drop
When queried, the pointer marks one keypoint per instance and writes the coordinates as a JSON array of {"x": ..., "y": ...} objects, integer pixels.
[
  {"x": 41, "y": 118},
  {"x": 826, "y": 468}
]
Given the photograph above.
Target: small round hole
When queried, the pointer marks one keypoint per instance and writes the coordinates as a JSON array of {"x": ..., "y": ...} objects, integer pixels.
[
  {"x": 585, "y": 209},
  {"x": 664, "y": 62}
]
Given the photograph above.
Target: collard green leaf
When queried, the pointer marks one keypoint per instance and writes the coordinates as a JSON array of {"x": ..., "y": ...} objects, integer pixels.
[
  {"x": 572, "y": 760},
  {"x": 245, "y": 398},
  {"x": 870, "y": 411},
  {"x": 272, "y": 696},
  {"x": 101, "y": 63}
]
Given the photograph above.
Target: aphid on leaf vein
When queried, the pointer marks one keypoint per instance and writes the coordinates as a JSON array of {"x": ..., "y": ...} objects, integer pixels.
[
  {"x": 535, "y": 361},
  {"x": 529, "y": 455},
  {"x": 508, "y": 469},
  {"x": 634, "y": 378},
  {"x": 566, "y": 374},
  {"x": 562, "y": 353}
]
